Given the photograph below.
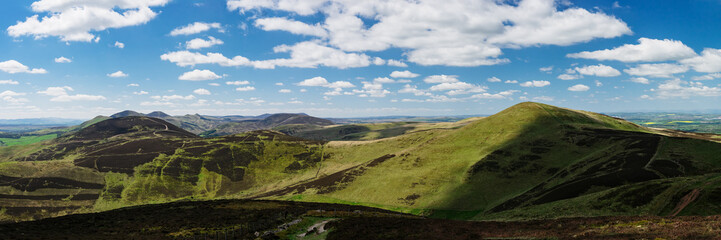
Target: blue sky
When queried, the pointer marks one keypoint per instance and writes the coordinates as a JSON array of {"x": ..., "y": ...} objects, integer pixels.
[{"x": 343, "y": 58}]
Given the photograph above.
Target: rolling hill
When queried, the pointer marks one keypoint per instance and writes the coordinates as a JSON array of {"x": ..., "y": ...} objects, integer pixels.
[{"x": 529, "y": 161}]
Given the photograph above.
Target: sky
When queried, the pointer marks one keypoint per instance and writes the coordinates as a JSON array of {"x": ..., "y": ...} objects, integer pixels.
[{"x": 346, "y": 58}]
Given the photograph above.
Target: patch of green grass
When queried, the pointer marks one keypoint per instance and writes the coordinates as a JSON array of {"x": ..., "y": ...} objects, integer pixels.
[{"x": 25, "y": 140}]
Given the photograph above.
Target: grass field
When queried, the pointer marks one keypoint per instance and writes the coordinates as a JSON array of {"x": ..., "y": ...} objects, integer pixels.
[{"x": 25, "y": 140}]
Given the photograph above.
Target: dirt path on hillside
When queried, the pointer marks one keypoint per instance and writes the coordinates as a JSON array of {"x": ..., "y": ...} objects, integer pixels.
[{"x": 685, "y": 201}]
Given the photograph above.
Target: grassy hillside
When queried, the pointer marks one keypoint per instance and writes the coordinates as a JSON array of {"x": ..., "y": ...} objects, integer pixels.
[
  {"x": 529, "y": 161},
  {"x": 537, "y": 153},
  {"x": 368, "y": 131}
]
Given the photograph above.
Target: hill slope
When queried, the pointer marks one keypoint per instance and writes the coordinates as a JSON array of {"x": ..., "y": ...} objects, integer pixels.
[{"x": 528, "y": 161}]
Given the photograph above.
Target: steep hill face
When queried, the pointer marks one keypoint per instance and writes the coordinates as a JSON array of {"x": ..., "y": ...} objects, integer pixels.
[{"x": 529, "y": 161}]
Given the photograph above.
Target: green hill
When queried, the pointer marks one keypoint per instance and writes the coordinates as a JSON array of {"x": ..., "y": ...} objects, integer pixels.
[{"x": 528, "y": 161}]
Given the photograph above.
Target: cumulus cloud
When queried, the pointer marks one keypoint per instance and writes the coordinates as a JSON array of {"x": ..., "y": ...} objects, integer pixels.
[
  {"x": 199, "y": 75},
  {"x": 546, "y": 69},
  {"x": 708, "y": 62},
  {"x": 441, "y": 79},
  {"x": 133, "y": 85},
  {"x": 117, "y": 74},
  {"x": 237, "y": 83},
  {"x": 579, "y": 88},
  {"x": 567, "y": 76},
  {"x": 676, "y": 88},
  {"x": 403, "y": 74},
  {"x": 173, "y": 97},
  {"x": 245, "y": 89},
  {"x": 647, "y": 50},
  {"x": 302, "y": 55},
  {"x": 62, "y": 59},
  {"x": 322, "y": 82},
  {"x": 659, "y": 70},
  {"x": 710, "y": 76},
  {"x": 499, "y": 95},
  {"x": 599, "y": 70},
  {"x": 493, "y": 79},
  {"x": 12, "y": 67},
  {"x": 457, "y": 33},
  {"x": 285, "y": 91},
  {"x": 396, "y": 63},
  {"x": 535, "y": 83},
  {"x": 413, "y": 90},
  {"x": 12, "y": 97},
  {"x": 141, "y": 93},
  {"x": 199, "y": 43},
  {"x": 8, "y": 82},
  {"x": 641, "y": 80},
  {"x": 295, "y": 27},
  {"x": 201, "y": 91},
  {"x": 74, "y": 20},
  {"x": 196, "y": 27},
  {"x": 119, "y": 45},
  {"x": 60, "y": 94}
]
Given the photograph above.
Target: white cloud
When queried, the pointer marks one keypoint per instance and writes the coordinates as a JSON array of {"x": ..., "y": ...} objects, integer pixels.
[
  {"x": 599, "y": 70},
  {"x": 710, "y": 76},
  {"x": 659, "y": 70},
  {"x": 456, "y": 88},
  {"x": 648, "y": 50},
  {"x": 62, "y": 59},
  {"x": 579, "y": 88},
  {"x": 500, "y": 95},
  {"x": 279, "y": 84},
  {"x": 708, "y": 62},
  {"x": 186, "y": 58},
  {"x": 302, "y": 55},
  {"x": 378, "y": 61},
  {"x": 396, "y": 63},
  {"x": 196, "y": 27},
  {"x": 214, "y": 84},
  {"x": 237, "y": 83},
  {"x": 141, "y": 93},
  {"x": 295, "y": 27},
  {"x": 245, "y": 89},
  {"x": 285, "y": 91},
  {"x": 199, "y": 43},
  {"x": 383, "y": 80},
  {"x": 201, "y": 91},
  {"x": 441, "y": 79},
  {"x": 60, "y": 94},
  {"x": 11, "y": 97},
  {"x": 676, "y": 88},
  {"x": 535, "y": 83},
  {"x": 119, "y": 45},
  {"x": 133, "y": 85},
  {"x": 641, "y": 80},
  {"x": 458, "y": 33},
  {"x": 8, "y": 82},
  {"x": 117, "y": 74},
  {"x": 322, "y": 82},
  {"x": 199, "y": 75},
  {"x": 546, "y": 69},
  {"x": 511, "y": 81},
  {"x": 598, "y": 83},
  {"x": 403, "y": 74},
  {"x": 370, "y": 89},
  {"x": 414, "y": 90},
  {"x": 493, "y": 79},
  {"x": 173, "y": 97},
  {"x": 12, "y": 67},
  {"x": 567, "y": 76},
  {"x": 74, "y": 20}
]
